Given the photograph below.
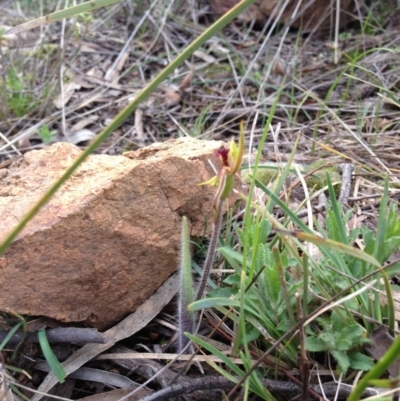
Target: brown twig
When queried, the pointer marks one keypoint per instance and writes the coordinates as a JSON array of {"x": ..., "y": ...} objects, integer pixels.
[
  {"x": 59, "y": 335},
  {"x": 211, "y": 251},
  {"x": 276, "y": 386}
]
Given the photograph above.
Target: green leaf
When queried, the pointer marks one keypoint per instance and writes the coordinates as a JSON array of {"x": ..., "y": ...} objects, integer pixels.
[
  {"x": 262, "y": 392},
  {"x": 331, "y": 226},
  {"x": 382, "y": 224},
  {"x": 314, "y": 344},
  {"x": 369, "y": 240},
  {"x": 269, "y": 279},
  {"x": 259, "y": 257},
  {"x": 390, "y": 246},
  {"x": 352, "y": 333},
  {"x": 221, "y": 293},
  {"x": 251, "y": 333},
  {"x": 9, "y": 335},
  {"x": 215, "y": 351},
  {"x": 264, "y": 231},
  {"x": 215, "y": 302},
  {"x": 360, "y": 361},
  {"x": 51, "y": 359},
  {"x": 338, "y": 220},
  {"x": 233, "y": 279},
  {"x": 342, "y": 359},
  {"x": 235, "y": 259},
  {"x": 393, "y": 221}
]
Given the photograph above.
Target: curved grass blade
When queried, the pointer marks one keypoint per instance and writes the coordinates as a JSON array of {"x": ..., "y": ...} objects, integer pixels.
[
  {"x": 377, "y": 371},
  {"x": 9, "y": 335},
  {"x": 125, "y": 113},
  {"x": 51, "y": 359}
]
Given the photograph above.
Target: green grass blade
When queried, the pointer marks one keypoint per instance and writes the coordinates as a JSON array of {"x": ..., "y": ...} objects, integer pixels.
[
  {"x": 216, "y": 352},
  {"x": 338, "y": 246},
  {"x": 208, "y": 303},
  {"x": 293, "y": 217},
  {"x": 59, "y": 15},
  {"x": 379, "y": 244},
  {"x": 51, "y": 359},
  {"x": 9, "y": 335},
  {"x": 254, "y": 384},
  {"x": 125, "y": 113},
  {"x": 377, "y": 371},
  {"x": 19, "y": 393},
  {"x": 381, "y": 228},
  {"x": 186, "y": 318},
  {"x": 336, "y": 208}
]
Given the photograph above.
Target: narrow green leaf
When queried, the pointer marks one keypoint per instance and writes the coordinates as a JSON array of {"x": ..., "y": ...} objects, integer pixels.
[
  {"x": 359, "y": 361},
  {"x": 216, "y": 352},
  {"x": 186, "y": 318},
  {"x": 125, "y": 113},
  {"x": 377, "y": 370},
  {"x": 381, "y": 227},
  {"x": 342, "y": 359},
  {"x": 51, "y": 359},
  {"x": 208, "y": 303},
  {"x": 336, "y": 208},
  {"x": 9, "y": 335},
  {"x": 314, "y": 344},
  {"x": 59, "y": 15}
]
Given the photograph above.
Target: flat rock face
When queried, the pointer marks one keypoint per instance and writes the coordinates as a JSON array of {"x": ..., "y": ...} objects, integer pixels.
[
  {"x": 109, "y": 237},
  {"x": 312, "y": 14}
]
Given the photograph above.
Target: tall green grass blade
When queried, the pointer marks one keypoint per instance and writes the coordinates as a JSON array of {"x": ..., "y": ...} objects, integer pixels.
[
  {"x": 60, "y": 15},
  {"x": 342, "y": 248},
  {"x": 337, "y": 211},
  {"x": 292, "y": 216},
  {"x": 125, "y": 113},
  {"x": 379, "y": 244},
  {"x": 186, "y": 317},
  {"x": 283, "y": 177},
  {"x": 381, "y": 228},
  {"x": 305, "y": 284},
  {"x": 282, "y": 280},
  {"x": 377, "y": 371},
  {"x": 51, "y": 359}
]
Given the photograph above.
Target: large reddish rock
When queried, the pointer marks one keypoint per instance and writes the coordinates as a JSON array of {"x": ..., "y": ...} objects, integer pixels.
[
  {"x": 312, "y": 14},
  {"x": 110, "y": 237}
]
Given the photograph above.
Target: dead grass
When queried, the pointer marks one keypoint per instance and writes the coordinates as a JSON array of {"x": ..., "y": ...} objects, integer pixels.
[
  {"x": 106, "y": 58},
  {"x": 104, "y": 63}
]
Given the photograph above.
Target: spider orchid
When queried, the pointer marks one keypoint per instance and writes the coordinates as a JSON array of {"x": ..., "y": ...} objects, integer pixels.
[{"x": 231, "y": 160}]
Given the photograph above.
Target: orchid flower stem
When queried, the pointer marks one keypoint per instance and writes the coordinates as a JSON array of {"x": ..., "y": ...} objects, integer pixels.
[
  {"x": 186, "y": 318},
  {"x": 211, "y": 250}
]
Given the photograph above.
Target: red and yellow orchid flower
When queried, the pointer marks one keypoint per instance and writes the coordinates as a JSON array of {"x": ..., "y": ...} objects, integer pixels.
[{"x": 231, "y": 160}]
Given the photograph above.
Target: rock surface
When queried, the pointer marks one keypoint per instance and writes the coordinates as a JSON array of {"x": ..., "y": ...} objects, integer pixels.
[
  {"x": 312, "y": 14},
  {"x": 110, "y": 236}
]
